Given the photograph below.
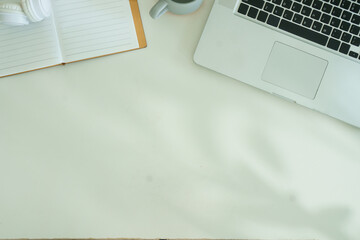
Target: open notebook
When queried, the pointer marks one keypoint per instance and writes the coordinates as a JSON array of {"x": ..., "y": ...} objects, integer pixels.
[{"x": 77, "y": 30}]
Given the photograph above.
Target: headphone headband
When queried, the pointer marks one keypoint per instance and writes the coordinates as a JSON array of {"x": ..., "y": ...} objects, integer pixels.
[
  {"x": 12, "y": 14},
  {"x": 36, "y": 10},
  {"x": 30, "y": 10}
]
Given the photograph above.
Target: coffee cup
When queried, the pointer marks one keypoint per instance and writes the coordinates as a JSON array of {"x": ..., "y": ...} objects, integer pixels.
[{"x": 179, "y": 7}]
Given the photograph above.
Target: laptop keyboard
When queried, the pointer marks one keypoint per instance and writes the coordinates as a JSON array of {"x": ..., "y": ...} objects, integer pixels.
[{"x": 334, "y": 24}]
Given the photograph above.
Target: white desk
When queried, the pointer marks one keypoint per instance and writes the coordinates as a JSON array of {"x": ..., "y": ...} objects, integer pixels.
[{"x": 148, "y": 144}]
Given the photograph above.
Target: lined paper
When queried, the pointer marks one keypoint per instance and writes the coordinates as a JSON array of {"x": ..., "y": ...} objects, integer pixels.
[
  {"x": 78, "y": 29},
  {"x": 24, "y": 48},
  {"x": 91, "y": 28}
]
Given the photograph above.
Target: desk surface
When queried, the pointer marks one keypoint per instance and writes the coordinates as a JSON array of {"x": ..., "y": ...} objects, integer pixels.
[{"x": 148, "y": 144}]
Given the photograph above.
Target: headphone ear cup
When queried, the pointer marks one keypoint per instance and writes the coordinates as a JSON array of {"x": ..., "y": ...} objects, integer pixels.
[
  {"x": 36, "y": 10},
  {"x": 12, "y": 14}
]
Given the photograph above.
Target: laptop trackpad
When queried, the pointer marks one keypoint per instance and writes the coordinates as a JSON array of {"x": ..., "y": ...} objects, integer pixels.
[{"x": 294, "y": 70}]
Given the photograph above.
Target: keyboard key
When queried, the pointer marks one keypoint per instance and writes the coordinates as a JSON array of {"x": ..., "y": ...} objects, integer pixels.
[
  {"x": 296, "y": 7},
  {"x": 252, "y": 12},
  {"x": 306, "y": 11},
  {"x": 317, "y": 4},
  {"x": 303, "y": 32},
  {"x": 278, "y": 11},
  {"x": 288, "y": 15},
  {"x": 336, "y": 33},
  {"x": 297, "y": 18},
  {"x": 307, "y": 2},
  {"x": 346, "y": 15},
  {"x": 345, "y": 4},
  {"x": 325, "y": 18},
  {"x": 269, "y": 7},
  {"x": 353, "y": 54},
  {"x": 344, "y": 26},
  {"x": 317, "y": 26},
  {"x": 355, "y": 8},
  {"x": 354, "y": 29},
  {"x": 286, "y": 4},
  {"x": 336, "y": 12},
  {"x": 273, "y": 20},
  {"x": 278, "y": 2},
  {"x": 243, "y": 8},
  {"x": 333, "y": 44},
  {"x": 262, "y": 16},
  {"x": 355, "y": 41},
  {"x": 355, "y": 19},
  {"x": 344, "y": 48},
  {"x": 255, "y": 3},
  {"x": 346, "y": 37},
  {"x": 307, "y": 22},
  {"x": 315, "y": 15},
  {"x": 335, "y": 2},
  {"x": 326, "y": 8},
  {"x": 335, "y": 22},
  {"x": 326, "y": 30}
]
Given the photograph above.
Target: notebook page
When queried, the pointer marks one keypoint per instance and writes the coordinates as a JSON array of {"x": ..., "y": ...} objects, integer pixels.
[
  {"x": 91, "y": 28},
  {"x": 24, "y": 48}
]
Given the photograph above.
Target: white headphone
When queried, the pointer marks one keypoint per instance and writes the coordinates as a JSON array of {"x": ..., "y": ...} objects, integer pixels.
[{"x": 17, "y": 14}]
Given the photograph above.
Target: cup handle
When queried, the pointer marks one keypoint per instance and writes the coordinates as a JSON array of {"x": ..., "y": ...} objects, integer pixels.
[{"x": 158, "y": 9}]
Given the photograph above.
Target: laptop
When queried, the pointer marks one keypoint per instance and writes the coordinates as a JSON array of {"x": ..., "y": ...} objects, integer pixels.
[{"x": 305, "y": 51}]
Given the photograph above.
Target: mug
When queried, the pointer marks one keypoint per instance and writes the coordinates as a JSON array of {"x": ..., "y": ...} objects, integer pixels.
[{"x": 175, "y": 6}]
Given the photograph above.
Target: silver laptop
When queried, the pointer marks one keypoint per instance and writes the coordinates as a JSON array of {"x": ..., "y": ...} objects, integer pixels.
[{"x": 306, "y": 51}]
